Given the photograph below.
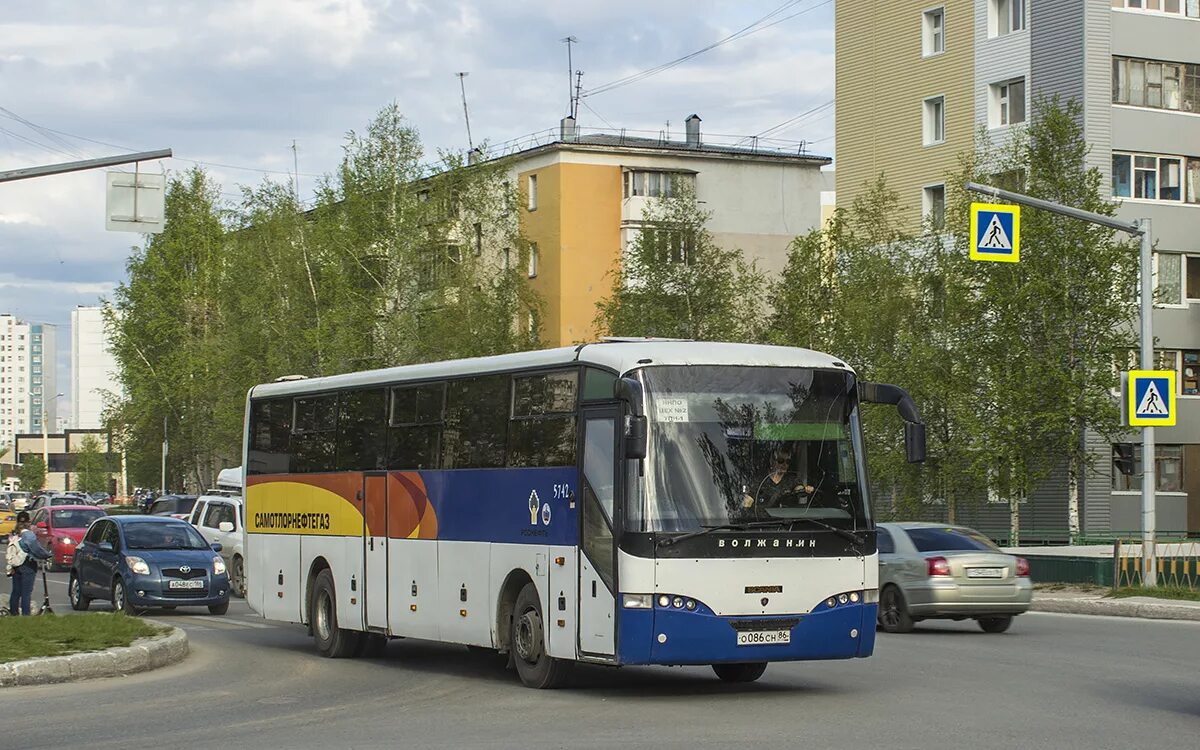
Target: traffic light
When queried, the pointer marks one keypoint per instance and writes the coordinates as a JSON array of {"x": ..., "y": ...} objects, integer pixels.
[{"x": 1123, "y": 458}]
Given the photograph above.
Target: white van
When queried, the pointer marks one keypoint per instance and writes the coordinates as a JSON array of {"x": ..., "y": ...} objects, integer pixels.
[{"x": 220, "y": 518}]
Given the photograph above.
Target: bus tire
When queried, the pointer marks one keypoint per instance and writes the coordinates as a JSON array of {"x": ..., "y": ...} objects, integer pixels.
[
  {"x": 332, "y": 642},
  {"x": 536, "y": 668},
  {"x": 748, "y": 672}
]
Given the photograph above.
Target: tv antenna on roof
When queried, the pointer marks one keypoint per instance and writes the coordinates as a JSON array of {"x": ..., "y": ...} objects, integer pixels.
[
  {"x": 571, "y": 93},
  {"x": 462, "y": 86}
]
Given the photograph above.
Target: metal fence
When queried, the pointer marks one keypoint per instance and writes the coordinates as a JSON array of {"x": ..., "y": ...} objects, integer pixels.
[{"x": 1178, "y": 564}]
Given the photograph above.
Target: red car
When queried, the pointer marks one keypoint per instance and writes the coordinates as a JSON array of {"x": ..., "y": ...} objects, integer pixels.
[{"x": 60, "y": 527}]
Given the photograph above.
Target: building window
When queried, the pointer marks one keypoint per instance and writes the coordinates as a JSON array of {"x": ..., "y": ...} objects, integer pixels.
[
  {"x": 935, "y": 120},
  {"x": 1168, "y": 470},
  {"x": 656, "y": 183},
  {"x": 1005, "y": 17},
  {"x": 1154, "y": 177},
  {"x": 533, "y": 192},
  {"x": 934, "y": 205},
  {"x": 1168, "y": 278},
  {"x": 933, "y": 25},
  {"x": 1008, "y": 103},
  {"x": 1188, "y": 8},
  {"x": 1193, "y": 277},
  {"x": 1152, "y": 83},
  {"x": 533, "y": 260}
]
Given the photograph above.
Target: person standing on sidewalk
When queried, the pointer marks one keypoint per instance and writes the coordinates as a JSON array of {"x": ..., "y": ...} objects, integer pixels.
[{"x": 22, "y": 558}]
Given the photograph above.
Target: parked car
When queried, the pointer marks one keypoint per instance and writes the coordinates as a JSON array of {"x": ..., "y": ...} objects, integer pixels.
[
  {"x": 930, "y": 571},
  {"x": 99, "y": 497},
  {"x": 176, "y": 506},
  {"x": 8, "y": 517},
  {"x": 46, "y": 501},
  {"x": 138, "y": 562},
  {"x": 220, "y": 519},
  {"x": 60, "y": 528},
  {"x": 20, "y": 500}
]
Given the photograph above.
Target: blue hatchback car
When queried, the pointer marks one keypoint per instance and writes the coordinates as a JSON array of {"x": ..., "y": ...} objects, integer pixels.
[{"x": 138, "y": 562}]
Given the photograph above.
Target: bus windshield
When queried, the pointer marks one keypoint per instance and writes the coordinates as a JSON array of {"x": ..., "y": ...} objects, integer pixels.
[{"x": 734, "y": 445}]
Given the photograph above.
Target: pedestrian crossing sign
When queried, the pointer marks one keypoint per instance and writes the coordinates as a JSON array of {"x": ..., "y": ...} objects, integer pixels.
[
  {"x": 995, "y": 232},
  {"x": 1151, "y": 398}
]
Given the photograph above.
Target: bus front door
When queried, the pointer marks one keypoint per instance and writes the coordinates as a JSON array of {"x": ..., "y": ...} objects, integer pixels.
[
  {"x": 375, "y": 551},
  {"x": 597, "y": 603}
]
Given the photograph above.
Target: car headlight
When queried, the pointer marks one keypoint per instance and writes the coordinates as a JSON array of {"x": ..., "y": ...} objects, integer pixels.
[
  {"x": 67, "y": 540},
  {"x": 137, "y": 565},
  {"x": 218, "y": 566}
]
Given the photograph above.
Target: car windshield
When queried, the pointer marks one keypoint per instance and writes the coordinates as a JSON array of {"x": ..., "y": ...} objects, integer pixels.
[
  {"x": 147, "y": 535},
  {"x": 949, "y": 539},
  {"x": 733, "y": 444},
  {"x": 74, "y": 519}
]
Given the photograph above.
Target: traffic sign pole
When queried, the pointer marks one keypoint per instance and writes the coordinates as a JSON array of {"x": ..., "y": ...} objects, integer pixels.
[{"x": 1142, "y": 230}]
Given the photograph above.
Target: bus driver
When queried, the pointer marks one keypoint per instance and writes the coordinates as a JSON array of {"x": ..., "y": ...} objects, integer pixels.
[{"x": 782, "y": 482}]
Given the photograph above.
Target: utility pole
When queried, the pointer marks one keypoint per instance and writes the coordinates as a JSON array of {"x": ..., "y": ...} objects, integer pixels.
[
  {"x": 570, "y": 74},
  {"x": 466, "y": 115},
  {"x": 163, "y": 486},
  {"x": 46, "y": 438},
  {"x": 1142, "y": 230}
]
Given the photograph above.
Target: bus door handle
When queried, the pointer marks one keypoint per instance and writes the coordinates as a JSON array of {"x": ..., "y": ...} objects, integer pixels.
[
  {"x": 371, "y": 543},
  {"x": 593, "y": 588}
]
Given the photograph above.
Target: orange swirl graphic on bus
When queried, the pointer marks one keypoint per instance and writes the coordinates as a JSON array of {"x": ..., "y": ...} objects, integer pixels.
[{"x": 410, "y": 513}]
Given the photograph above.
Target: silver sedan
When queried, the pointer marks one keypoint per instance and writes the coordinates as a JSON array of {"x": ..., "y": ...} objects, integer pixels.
[{"x": 929, "y": 571}]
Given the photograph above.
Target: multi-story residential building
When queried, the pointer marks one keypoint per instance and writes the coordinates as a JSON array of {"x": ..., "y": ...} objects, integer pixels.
[
  {"x": 916, "y": 79},
  {"x": 93, "y": 368},
  {"x": 584, "y": 197},
  {"x": 27, "y": 377}
]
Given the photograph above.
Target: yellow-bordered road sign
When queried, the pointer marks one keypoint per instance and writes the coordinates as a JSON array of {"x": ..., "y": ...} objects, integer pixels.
[
  {"x": 1151, "y": 398},
  {"x": 996, "y": 232}
]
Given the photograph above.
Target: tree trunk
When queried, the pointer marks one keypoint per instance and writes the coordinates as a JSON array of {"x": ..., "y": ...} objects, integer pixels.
[
  {"x": 1014, "y": 520},
  {"x": 1073, "y": 497}
]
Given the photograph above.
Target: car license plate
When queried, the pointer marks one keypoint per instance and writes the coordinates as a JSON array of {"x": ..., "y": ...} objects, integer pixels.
[
  {"x": 763, "y": 637},
  {"x": 197, "y": 583},
  {"x": 985, "y": 572}
]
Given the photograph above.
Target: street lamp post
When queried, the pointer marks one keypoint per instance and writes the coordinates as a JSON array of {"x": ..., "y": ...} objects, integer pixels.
[{"x": 46, "y": 438}]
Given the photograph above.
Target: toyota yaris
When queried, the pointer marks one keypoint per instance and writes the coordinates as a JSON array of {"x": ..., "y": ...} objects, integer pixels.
[{"x": 139, "y": 562}]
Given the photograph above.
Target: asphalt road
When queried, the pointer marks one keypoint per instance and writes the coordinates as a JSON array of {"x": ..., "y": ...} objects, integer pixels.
[{"x": 1052, "y": 681}]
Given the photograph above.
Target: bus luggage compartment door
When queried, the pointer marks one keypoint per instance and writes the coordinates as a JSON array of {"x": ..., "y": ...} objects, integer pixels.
[{"x": 375, "y": 551}]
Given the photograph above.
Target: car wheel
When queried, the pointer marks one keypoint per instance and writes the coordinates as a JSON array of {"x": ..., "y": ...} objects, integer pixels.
[
  {"x": 79, "y": 602},
  {"x": 995, "y": 624},
  {"x": 332, "y": 641},
  {"x": 120, "y": 599},
  {"x": 536, "y": 668},
  {"x": 740, "y": 672},
  {"x": 893, "y": 611},
  {"x": 218, "y": 609},
  {"x": 237, "y": 577}
]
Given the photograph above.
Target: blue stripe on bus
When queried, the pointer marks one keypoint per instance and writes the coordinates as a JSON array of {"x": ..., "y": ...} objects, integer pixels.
[{"x": 494, "y": 505}]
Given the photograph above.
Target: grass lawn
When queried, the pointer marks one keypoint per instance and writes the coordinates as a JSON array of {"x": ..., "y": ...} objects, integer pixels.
[
  {"x": 1161, "y": 592},
  {"x": 51, "y": 635}
]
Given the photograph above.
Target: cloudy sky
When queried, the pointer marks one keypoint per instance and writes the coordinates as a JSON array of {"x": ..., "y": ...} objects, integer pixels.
[{"x": 232, "y": 84}]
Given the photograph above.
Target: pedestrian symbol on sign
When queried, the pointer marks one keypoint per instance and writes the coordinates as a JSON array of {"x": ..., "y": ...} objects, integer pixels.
[
  {"x": 1152, "y": 404},
  {"x": 995, "y": 232},
  {"x": 995, "y": 238},
  {"x": 1151, "y": 398}
]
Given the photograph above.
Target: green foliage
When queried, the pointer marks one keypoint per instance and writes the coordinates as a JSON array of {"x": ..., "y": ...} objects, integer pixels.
[
  {"x": 52, "y": 635},
  {"x": 395, "y": 263},
  {"x": 92, "y": 471},
  {"x": 32, "y": 473},
  {"x": 675, "y": 281}
]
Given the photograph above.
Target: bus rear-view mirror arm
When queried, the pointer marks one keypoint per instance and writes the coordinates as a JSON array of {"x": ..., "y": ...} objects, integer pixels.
[
  {"x": 914, "y": 428},
  {"x": 629, "y": 392}
]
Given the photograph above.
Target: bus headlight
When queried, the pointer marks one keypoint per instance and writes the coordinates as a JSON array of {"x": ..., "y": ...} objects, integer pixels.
[
  {"x": 677, "y": 602},
  {"x": 854, "y": 597},
  {"x": 691, "y": 604},
  {"x": 637, "y": 601},
  {"x": 664, "y": 600}
]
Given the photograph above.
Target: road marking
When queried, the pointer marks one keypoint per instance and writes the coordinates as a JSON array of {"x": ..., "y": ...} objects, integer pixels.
[
  {"x": 1112, "y": 618},
  {"x": 242, "y": 623}
]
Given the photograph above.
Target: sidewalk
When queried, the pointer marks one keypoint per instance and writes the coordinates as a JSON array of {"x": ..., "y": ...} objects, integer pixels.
[{"x": 1094, "y": 602}]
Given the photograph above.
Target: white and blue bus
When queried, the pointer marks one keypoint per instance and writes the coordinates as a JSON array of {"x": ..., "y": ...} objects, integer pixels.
[{"x": 623, "y": 502}]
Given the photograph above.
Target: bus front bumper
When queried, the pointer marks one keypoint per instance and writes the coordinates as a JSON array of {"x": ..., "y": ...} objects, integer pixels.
[{"x": 675, "y": 636}]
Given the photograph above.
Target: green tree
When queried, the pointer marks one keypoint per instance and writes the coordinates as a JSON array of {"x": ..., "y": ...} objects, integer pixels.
[
  {"x": 32, "y": 474},
  {"x": 92, "y": 470},
  {"x": 675, "y": 281}
]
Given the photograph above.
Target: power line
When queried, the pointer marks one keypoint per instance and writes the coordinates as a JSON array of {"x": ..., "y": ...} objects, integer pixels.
[
  {"x": 752, "y": 28},
  {"x": 796, "y": 119}
]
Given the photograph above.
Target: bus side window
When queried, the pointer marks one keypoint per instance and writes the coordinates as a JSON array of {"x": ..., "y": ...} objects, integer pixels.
[
  {"x": 270, "y": 437},
  {"x": 415, "y": 426},
  {"x": 476, "y": 429},
  {"x": 542, "y": 432},
  {"x": 361, "y": 442},
  {"x": 598, "y": 384},
  {"x": 314, "y": 432}
]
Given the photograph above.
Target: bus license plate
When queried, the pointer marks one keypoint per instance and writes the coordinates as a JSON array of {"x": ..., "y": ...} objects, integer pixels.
[
  {"x": 197, "y": 583},
  {"x": 763, "y": 637},
  {"x": 985, "y": 572}
]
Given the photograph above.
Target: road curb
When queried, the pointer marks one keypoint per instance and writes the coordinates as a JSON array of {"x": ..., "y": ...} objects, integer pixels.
[
  {"x": 1117, "y": 608},
  {"x": 142, "y": 655}
]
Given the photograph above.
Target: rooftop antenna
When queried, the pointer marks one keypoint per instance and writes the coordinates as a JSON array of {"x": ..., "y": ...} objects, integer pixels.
[
  {"x": 578, "y": 88},
  {"x": 569, "y": 40},
  {"x": 462, "y": 86}
]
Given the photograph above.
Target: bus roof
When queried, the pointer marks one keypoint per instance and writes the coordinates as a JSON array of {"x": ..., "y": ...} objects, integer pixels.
[{"x": 621, "y": 355}]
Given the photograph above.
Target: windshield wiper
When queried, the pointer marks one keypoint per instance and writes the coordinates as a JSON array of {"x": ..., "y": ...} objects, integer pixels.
[
  {"x": 844, "y": 533},
  {"x": 668, "y": 541}
]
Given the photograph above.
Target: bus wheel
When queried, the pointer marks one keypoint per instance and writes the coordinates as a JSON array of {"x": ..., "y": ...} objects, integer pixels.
[
  {"x": 528, "y": 638},
  {"x": 332, "y": 641},
  {"x": 740, "y": 672}
]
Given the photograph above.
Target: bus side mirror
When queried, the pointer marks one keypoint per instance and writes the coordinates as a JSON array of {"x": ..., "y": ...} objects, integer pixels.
[
  {"x": 629, "y": 392},
  {"x": 914, "y": 442}
]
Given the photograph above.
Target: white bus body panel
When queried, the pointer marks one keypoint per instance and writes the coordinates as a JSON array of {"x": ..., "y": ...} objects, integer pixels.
[
  {"x": 376, "y": 591},
  {"x": 597, "y": 628},
  {"x": 413, "y": 562},
  {"x": 464, "y": 565},
  {"x": 344, "y": 556},
  {"x": 563, "y": 596},
  {"x": 275, "y": 556}
]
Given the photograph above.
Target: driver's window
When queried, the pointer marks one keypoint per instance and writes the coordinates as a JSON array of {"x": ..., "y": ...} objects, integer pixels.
[
  {"x": 111, "y": 536},
  {"x": 95, "y": 533}
]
